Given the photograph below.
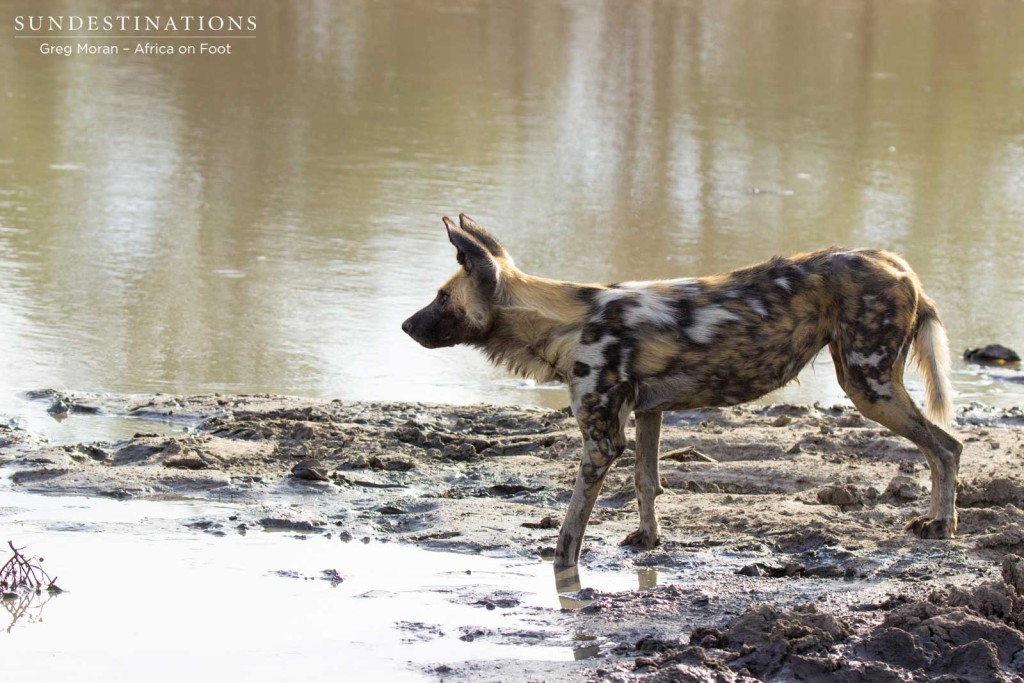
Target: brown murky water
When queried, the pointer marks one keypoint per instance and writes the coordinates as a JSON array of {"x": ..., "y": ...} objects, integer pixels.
[{"x": 264, "y": 221}]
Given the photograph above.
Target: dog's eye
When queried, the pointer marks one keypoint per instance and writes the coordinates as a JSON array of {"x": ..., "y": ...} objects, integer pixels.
[{"x": 442, "y": 297}]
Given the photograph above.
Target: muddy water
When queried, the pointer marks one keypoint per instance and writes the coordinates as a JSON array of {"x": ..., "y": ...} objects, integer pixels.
[
  {"x": 175, "y": 603},
  {"x": 264, "y": 221}
]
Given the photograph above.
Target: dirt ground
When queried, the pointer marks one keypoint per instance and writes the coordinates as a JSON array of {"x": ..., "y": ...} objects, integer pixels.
[{"x": 782, "y": 525}]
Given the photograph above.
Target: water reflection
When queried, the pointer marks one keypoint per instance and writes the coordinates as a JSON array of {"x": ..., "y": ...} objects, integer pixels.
[
  {"x": 647, "y": 578},
  {"x": 26, "y": 608},
  {"x": 264, "y": 222},
  {"x": 586, "y": 651},
  {"x": 572, "y": 595}
]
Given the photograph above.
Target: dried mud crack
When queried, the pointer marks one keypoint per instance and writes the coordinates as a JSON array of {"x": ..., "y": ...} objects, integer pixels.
[{"x": 783, "y": 555}]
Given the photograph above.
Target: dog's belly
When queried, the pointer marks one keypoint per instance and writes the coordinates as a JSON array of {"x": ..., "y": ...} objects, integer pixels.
[
  {"x": 722, "y": 381},
  {"x": 684, "y": 392}
]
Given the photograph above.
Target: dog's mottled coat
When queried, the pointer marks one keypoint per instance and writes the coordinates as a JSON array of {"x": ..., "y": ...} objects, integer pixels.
[{"x": 647, "y": 347}]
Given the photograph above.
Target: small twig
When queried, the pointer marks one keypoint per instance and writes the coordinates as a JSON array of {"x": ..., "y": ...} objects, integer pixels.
[
  {"x": 21, "y": 574},
  {"x": 687, "y": 454}
]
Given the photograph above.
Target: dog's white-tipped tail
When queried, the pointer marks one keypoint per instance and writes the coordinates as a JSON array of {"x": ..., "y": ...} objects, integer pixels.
[{"x": 931, "y": 357}]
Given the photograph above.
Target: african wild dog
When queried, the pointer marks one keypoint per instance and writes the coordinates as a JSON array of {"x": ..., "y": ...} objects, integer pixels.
[{"x": 647, "y": 347}]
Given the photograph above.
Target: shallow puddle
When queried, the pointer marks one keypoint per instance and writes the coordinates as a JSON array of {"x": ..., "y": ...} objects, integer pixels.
[
  {"x": 147, "y": 597},
  {"x": 32, "y": 416}
]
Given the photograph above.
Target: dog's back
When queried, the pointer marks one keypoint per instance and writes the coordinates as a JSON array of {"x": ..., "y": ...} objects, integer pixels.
[{"x": 731, "y": 338}]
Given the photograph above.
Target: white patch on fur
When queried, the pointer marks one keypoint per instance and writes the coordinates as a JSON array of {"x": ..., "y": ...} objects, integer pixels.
[
  {"x": 606, "y": 296},
  {"x": 637, "y": 285},
  {"x": 757, "y": 307},
  {"x": 859, "y": 359},
  {"x": 624, "y": 364},
  {"x": 791, "y": 370},
  {"x": 651, "y": 307},
  {"x": 705, "y": 320},
  {"x": 593, "y": 356},
  {"x": 880, "y": 388},
  {"x": 782, "y": 283}
]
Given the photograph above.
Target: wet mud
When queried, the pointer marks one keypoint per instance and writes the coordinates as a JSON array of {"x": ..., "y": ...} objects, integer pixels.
[{"x": 783, "y": 555}]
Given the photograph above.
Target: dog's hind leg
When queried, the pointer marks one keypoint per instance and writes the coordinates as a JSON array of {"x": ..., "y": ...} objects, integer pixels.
[
  {"x": 646, "y": 480},
  {"x": 883, "y": 315},
  {"x": 887, "y": 402}
]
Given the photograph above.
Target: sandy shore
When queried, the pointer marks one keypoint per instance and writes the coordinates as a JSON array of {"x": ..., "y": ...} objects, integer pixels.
[{"x": 784, "y": 523}]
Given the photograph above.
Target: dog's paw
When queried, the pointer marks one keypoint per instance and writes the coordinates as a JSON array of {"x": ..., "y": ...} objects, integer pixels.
[
  {"x": 641, "y": 539},
  {"x": 929, "y": 528}
]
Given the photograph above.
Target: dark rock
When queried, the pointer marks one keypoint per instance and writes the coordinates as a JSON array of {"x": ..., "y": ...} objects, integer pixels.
[
  {"x": 773, "y": 571},
  {"x": 459, "y": 452},
  {"x": 310, "y": 470},
  {"x": 902, "y": 488},
  {"x": 331, "y": 575},
  {"x": 838, "y": 494},
  {"x": 280, "y": 524},
  {"x": 994, "y": 354},
  {"x": 547, "y": 522},
  {"x": 1013, "y": 573}
]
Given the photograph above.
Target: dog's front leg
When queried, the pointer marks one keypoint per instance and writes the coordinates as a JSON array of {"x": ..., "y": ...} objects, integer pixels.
[
  {"x": 604, "y": 439},
  {"x": 597, "y": 459},
  {"x": 646, "y": 479}
]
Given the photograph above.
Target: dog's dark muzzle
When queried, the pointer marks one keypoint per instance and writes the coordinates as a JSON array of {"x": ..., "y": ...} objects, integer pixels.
[{"x": 423, "y": 328}]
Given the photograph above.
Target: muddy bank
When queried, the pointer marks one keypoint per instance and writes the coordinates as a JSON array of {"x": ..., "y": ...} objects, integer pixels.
[{"x": 783, "y": 555}]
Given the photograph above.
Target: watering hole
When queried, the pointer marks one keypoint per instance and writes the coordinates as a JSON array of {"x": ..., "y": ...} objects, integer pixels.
[
  {"x": 148, "y": 598},
  {"x": 264, "y": 221}
]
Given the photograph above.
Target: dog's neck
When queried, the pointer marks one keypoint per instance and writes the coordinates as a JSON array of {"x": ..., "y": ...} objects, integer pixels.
[{"x": 536, "y": 327}]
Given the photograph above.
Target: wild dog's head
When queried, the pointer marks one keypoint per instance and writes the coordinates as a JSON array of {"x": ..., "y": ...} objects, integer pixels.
[{"x": 463, "y": 310}]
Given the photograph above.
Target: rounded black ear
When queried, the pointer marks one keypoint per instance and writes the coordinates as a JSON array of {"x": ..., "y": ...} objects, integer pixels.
[
  {"x": 473, "y": 257},
  {"x": 489, "y": 241}
]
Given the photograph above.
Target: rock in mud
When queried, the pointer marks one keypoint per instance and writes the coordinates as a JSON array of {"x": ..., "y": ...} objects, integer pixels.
[
  {"x": 332, "y": 576},
  {"x": 765, "y": 637},
  {"x": 774, "y": 571},
  {"x": 283, "y": 524},
  {"x": 994, "y": 354},
  {"x": 1013, "y": 573},
  {"x": 902, "y": 489},
  {"x": 546, "y": 522},
  {"x": 995, "y": 491},
  {"x": 394, "y": 463},
  {"x": 311, "y": 470},
  {"x": 839, "y": 494},
  {"x": 459, "y": 452},
  {"x": 183, "y": 456}
]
